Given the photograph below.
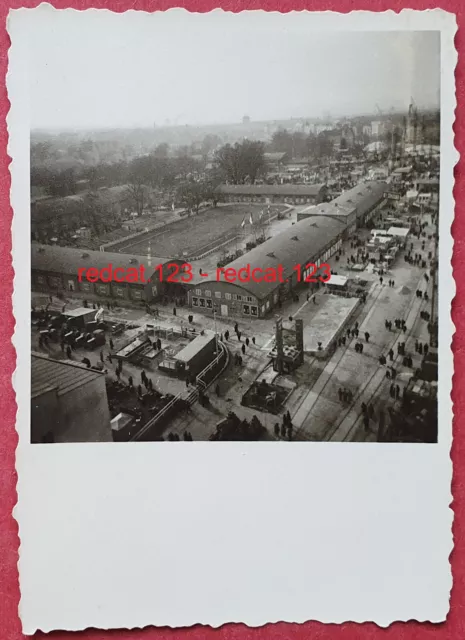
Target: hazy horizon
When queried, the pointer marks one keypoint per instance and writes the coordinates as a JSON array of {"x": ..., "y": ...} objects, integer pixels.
[{"x": 101, "y": 71}]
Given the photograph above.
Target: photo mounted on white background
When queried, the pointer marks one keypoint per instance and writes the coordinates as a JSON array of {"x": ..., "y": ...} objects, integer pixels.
[{"x": 243, "y": 244}]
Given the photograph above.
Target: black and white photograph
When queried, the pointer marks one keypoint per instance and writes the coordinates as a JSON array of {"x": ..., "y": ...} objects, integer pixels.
[
  {"x": 232, "y": 230},
  {"x": 235, "y": 247}
]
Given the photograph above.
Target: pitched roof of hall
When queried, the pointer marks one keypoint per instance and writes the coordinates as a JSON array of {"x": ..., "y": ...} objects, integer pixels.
[
  {"x": 362, "y": 198},
  {"x": 296, "y": 244},
  {"x": 271, "y": 189},
  {"x": 68, "y": 260}
]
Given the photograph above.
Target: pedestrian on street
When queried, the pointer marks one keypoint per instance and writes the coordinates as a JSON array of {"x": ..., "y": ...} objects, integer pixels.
[
  {"x": 247, "y": 342},
  {"x": 276, "y": 429},
  {"x": 68, "y": 351},
  {"x": 289, "y": 432},
  {"x": 392, "y": 390},
  {"x": 236, "y": 327},
  {"x": 391, "y": 354},
  {"x": 283, "y": 430},
  {"x": 364, "y": 407},
  {"x": 243, "y": 349},
  {"x": 425, "y": 349},
  {"x": 339, "y": 391},
  {"x": 420, "y": 349},
  {"x": 397, "y": 391},
  {"x": 253, "y": 339},
  {"x": 381, "y": 280},
  {"x": 314, "y": 299},
  {"x": 226, "y": 334},
  {"x": 239, "y": 335},
  {"x": 367, "y": 336}
]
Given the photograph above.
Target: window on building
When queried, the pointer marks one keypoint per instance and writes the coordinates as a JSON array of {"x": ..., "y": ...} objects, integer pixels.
[
  {"x": 195, "y": 302},
  {"x": 263, "y": 308},
  {"x": 102, "y": 289},
  {"x": 227, "y": 296},
  {"x": 246, "y": 309},
  {"x": 250, "y": 299},
  {"x": 209, "y": 304},
  {"x": 239, "y": 297},
  {"x": 84, "y": 286},
  {"x": 202, "y": 302},
  {"x": 208, "y": 293},
  {"x": 198, "y": 292},
  {"x": 234, "y": 296},
  {"x": 137, "y": 295},
  {"x": 217, "y": 294},
  {"x": 254, "y": 311},
  {"x": 119, "y": 292}
]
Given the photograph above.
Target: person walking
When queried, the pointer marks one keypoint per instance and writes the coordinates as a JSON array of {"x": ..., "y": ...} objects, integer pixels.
[
  {"x": 367, "y": 336},
  {"x": 253, "y": 339},
  {"x": 276, "y": 429},
  {"x": 247, "y": 342},
  {"x": 243, "y": 349}
]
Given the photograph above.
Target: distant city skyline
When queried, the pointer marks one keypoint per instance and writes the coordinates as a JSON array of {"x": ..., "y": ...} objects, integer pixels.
[{"x": 140, "y": 69}]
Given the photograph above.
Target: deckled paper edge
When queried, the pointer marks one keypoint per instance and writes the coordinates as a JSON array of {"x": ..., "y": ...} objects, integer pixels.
[{"x": 446, "y": 286}]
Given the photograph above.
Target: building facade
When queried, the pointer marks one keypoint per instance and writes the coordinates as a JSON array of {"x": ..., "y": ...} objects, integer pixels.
[
  {"x": 307, "y": 241},
  {"x": 56, "y": 270}
]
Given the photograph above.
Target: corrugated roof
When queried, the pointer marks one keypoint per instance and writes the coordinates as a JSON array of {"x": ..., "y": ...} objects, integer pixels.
[
  {"x": 292, "y": 246},
  {"x": 68, "y": 260},
  {"x": 271, "y": 189},
  {"x": 64, "y": 376}
]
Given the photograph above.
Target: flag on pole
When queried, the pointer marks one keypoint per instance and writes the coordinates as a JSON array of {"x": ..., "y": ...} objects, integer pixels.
[
  {"x": 243, "y": 222},
  {"x": 250, "y": 219}
]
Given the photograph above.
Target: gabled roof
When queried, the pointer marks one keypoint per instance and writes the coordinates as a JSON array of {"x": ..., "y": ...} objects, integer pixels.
[
  {"x": 68, "y": 260},
  {"x": 296, "y": 244}
]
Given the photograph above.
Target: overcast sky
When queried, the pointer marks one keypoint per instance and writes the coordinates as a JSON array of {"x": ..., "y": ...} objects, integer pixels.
[{"x": 98, "y": 69}]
